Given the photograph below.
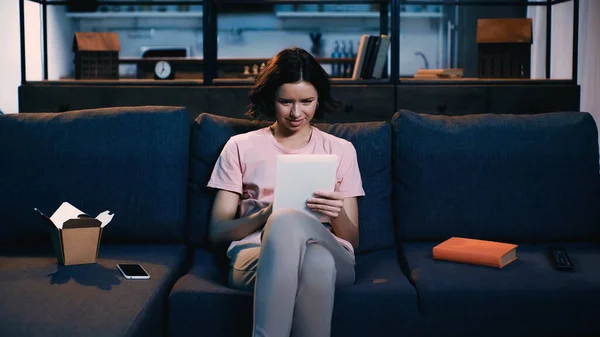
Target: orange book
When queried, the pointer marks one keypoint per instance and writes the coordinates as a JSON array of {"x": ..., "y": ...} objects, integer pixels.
[{"x": 473, "y": 251}]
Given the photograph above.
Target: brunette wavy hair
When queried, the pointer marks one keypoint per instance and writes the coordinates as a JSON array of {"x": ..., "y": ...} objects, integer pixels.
[{"x": 290, "y": 65}]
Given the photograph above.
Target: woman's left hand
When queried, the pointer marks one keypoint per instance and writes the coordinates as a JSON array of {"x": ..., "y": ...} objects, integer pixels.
[{"x": 328, "y": 203}]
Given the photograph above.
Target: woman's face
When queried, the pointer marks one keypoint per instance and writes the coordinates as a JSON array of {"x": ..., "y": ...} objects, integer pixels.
[{"x": 295, "y": 105}]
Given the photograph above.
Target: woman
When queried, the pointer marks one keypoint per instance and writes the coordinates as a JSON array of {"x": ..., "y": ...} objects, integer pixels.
[{"x": 291, "y": 261}]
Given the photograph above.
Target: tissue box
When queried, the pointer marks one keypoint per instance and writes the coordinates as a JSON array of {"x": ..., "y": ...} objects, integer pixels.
[{"x": 75, "y": 236}]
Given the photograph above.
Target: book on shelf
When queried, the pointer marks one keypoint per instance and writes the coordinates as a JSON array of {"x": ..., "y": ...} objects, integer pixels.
[
  {"x": 371, "y": 57},
  {"x": 428, "y": 74},
  {"x": 473, "y": 251},
  {"x": 360, "y": 57}
]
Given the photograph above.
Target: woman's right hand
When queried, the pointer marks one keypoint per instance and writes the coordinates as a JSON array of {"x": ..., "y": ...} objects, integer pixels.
[
  {"x": 225, "y": 227},
  {"x": 267, "y": 211}
]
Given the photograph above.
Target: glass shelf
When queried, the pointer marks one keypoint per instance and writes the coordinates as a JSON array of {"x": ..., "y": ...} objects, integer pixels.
[
  {"x": 345, "y": 15},
  {"x": 133, "y": 15}
]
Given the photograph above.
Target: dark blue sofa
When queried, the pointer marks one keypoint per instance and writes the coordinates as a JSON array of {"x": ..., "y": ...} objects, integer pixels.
[{"x": 532, "y": 180}]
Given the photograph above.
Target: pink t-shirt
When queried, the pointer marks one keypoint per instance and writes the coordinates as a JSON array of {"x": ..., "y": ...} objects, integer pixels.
[{"x": 247, "y": 166}]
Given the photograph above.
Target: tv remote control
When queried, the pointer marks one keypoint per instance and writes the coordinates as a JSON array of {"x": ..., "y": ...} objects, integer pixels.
[{"x": 560, "y": 259}]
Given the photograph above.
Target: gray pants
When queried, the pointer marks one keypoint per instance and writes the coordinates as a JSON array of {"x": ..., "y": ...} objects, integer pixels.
[{"x": 300, "y": 266}]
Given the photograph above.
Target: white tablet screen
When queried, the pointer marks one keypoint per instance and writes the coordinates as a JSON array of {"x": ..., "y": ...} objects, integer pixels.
[{"x": 299, "y": 176}]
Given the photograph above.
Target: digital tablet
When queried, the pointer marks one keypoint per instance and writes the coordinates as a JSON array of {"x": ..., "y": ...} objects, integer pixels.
[{"x": 298, "y": 176}]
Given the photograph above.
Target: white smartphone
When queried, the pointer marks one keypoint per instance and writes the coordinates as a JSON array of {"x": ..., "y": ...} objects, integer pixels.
[{"x": 133, "y": 271}]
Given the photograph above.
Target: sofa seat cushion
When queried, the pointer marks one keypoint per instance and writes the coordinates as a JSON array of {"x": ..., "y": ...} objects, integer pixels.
[
  {"x": 201, "y": 301},
  {"x": 38, "y": 297},
  {"x": 528, "y": 297},
  {"x": 381, "y": 302}
]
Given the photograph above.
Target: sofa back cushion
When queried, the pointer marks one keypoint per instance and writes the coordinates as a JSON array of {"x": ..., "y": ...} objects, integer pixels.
[
  {"x": 522, "y": 178},
  {"x": 132, "y": 161},
  {"x": 373, "y": 148}
]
